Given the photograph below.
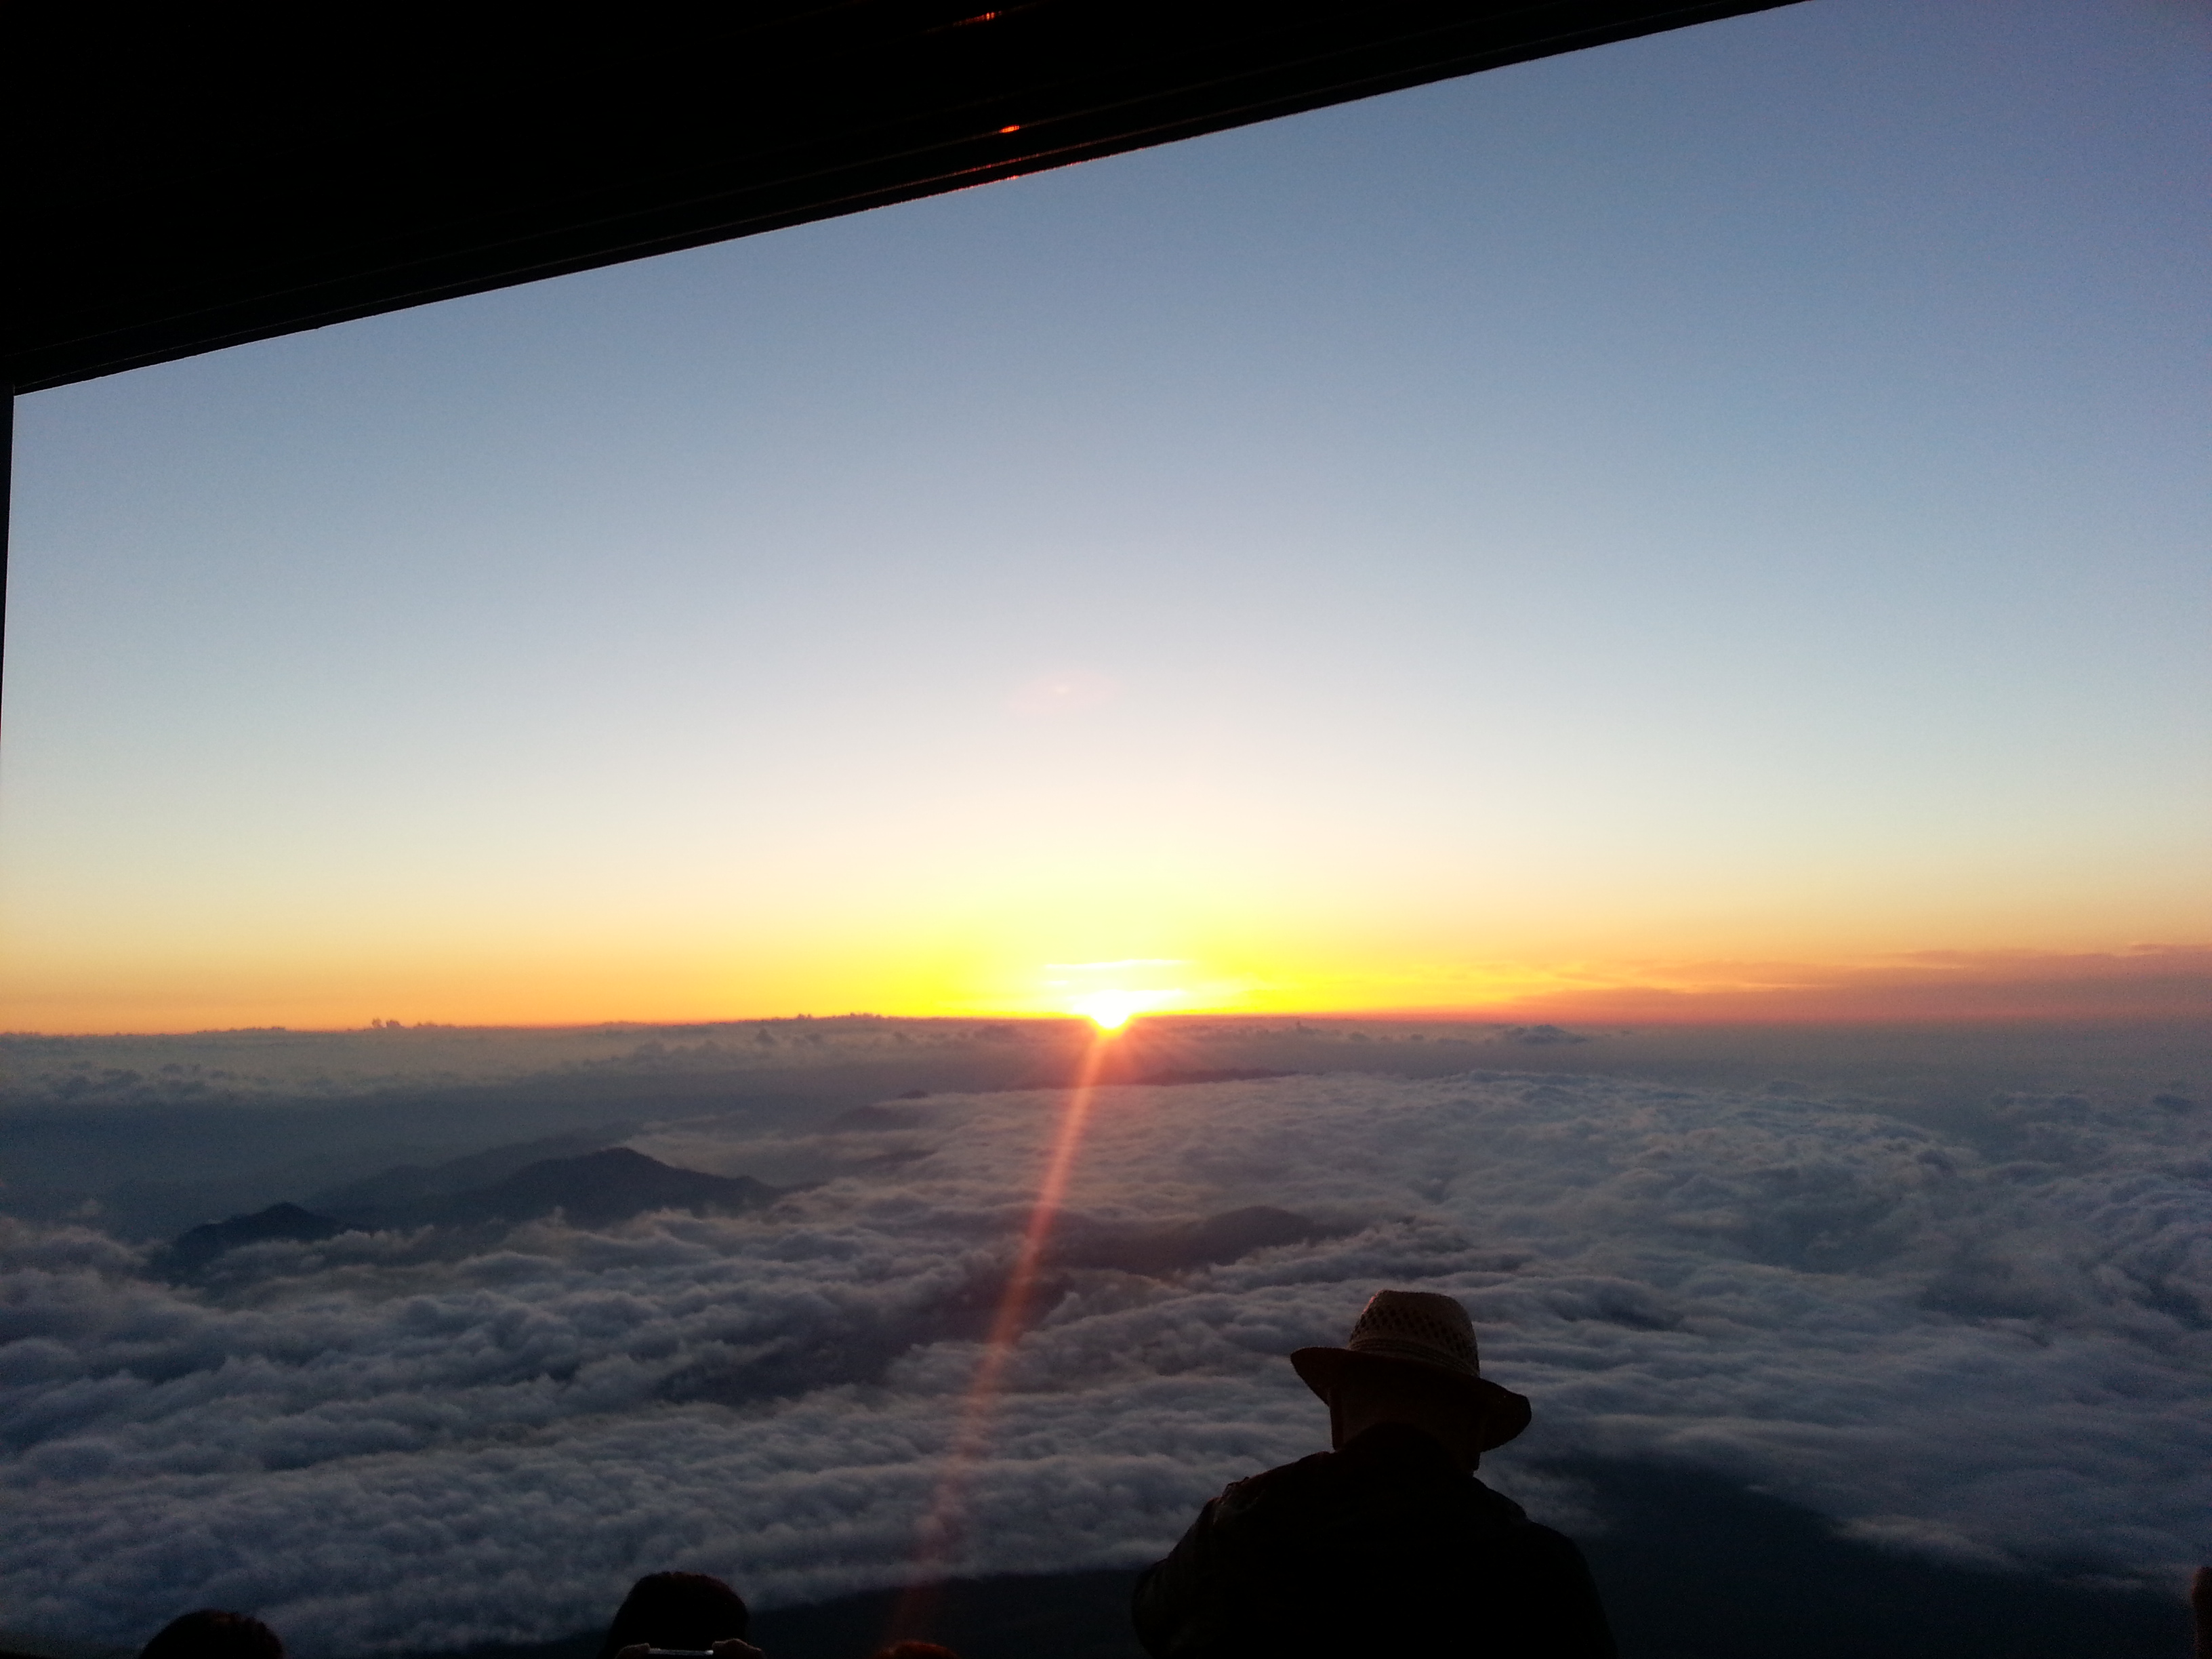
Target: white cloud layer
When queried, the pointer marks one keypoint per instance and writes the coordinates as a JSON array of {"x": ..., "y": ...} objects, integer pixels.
[{"x": 1989, "y": 1348}]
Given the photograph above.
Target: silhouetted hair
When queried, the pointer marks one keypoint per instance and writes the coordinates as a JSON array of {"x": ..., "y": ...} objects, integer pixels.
[
  {"x": 211, "y": 1633},
  {"x": 915, "y": 1650},
  {"x": 676, "y": 1610}
]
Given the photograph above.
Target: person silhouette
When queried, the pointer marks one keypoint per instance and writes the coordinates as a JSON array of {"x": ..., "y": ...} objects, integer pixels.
[
  {"x": 1387, "y": 1544},
  {"x": 689, "y": 1612},
  {"x": 213, "y": 1633}
]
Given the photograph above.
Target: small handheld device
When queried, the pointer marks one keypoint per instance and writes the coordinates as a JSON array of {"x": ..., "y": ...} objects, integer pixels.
[{"x": 679, "y": 1653}]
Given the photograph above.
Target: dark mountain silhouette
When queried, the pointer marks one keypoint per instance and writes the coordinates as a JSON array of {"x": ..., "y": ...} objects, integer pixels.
[
  {"x": 1538, "y": 1036},
  {"x": 408, "y": 1183},
  {"x": 1229, "y": 1236},
  {"x": 594, "y": 1190},
  {"x": 195, "y": 1248}
]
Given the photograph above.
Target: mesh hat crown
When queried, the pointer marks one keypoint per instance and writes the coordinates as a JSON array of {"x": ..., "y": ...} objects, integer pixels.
[
  {"x": 1400, "y": 1328},
  {"x": 1418, "y": 1325}
]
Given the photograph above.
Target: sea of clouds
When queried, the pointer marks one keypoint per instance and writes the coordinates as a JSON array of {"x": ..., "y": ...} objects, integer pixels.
[{"x": 1988, "y": 1344}]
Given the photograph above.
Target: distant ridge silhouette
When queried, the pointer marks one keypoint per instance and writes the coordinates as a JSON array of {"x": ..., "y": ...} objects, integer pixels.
[
  {"x": 1177, "y": 1245},
  {"x": 406, "y": 1183},
  {"x": 607, "y": 1185},
  {"x": 194, "y": 1249},
  {"x": 594, "y": 1191}
]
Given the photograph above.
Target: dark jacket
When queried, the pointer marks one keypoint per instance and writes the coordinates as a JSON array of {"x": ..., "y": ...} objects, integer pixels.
[{"x": 1385, "y": 1549}]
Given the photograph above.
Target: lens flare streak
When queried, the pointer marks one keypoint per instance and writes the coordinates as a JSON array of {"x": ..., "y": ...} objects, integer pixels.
[{"x": 940, "y": 1527}]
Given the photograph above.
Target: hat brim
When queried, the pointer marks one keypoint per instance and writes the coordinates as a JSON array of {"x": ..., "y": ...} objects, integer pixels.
[{"x": 1504, "y": 1412}]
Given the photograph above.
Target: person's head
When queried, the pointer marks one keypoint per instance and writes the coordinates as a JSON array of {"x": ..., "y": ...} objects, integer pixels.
[
  {"x": 1411, "y": 1359},
  {"x": 676, "y": 1610},
  {"x": 211, "y": 1633},
  {"x": 1367, "y": 1399}
]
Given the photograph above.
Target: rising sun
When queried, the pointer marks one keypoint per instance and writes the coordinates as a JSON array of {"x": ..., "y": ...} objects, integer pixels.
[{"x": 1109, "y": 1011}]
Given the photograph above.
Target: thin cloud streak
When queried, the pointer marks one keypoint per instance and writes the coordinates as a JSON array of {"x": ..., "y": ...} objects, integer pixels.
[{"x": 2147, "y": 982}]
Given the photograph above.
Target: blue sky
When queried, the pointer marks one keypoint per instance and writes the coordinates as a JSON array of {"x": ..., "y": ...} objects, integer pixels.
[{"x": 1736, "y": 494}]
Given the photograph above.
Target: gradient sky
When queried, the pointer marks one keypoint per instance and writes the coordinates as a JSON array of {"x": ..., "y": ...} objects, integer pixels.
[{"x": 1719, "y": 508}]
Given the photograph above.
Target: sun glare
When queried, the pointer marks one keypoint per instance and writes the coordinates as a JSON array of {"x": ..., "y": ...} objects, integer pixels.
[{"x": 1109, "y": 1011}]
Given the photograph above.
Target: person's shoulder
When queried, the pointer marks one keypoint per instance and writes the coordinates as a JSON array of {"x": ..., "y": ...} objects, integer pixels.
[
  {"x": 1329, "y": 1479},
  {"x": 1282, "y": 1480},
  {"x": 1316, "y": 1467},
  {"x": 1541, "y": 1536},
  {"x": 1503, "y": 1510},
  {"x": 1510, "y": 1518},
  {"x": 1546, "y": 1552}
]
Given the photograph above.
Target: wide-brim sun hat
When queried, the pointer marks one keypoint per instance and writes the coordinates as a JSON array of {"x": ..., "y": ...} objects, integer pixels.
[{"x": 1425, "y": 1331}]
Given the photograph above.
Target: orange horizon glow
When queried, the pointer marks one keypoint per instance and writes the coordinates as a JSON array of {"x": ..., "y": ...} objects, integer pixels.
[{"x": 2156, "y": 982}]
